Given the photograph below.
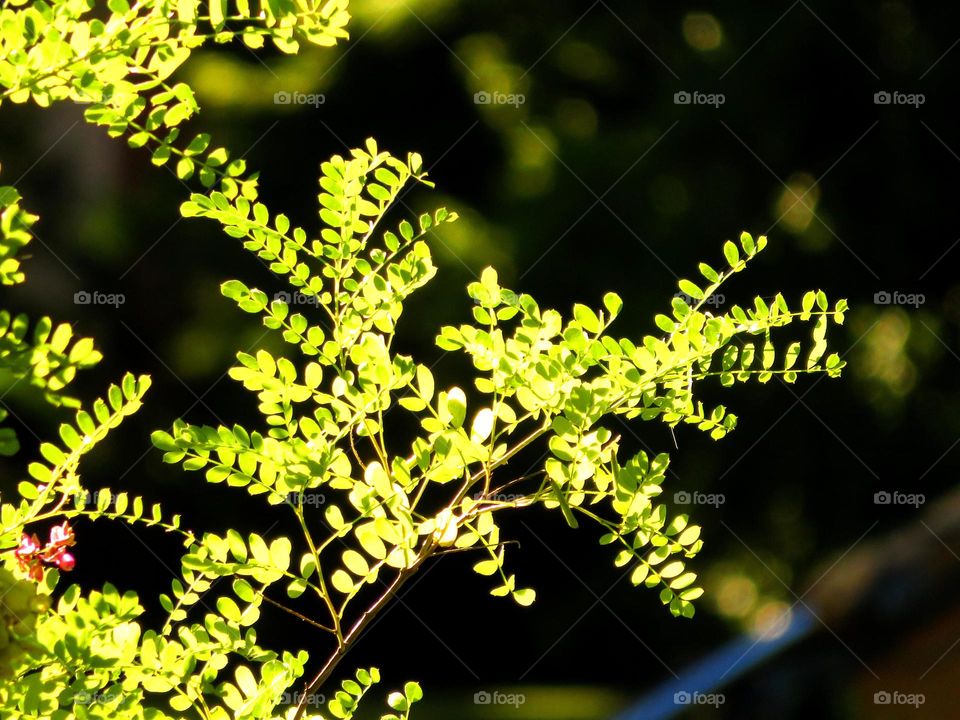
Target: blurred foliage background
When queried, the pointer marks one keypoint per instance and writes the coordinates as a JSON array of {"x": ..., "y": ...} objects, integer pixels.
[{"x": 598, "y": 172}]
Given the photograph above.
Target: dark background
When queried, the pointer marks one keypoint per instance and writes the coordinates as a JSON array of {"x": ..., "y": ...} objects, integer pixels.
[{"x": 598, "y": 181}]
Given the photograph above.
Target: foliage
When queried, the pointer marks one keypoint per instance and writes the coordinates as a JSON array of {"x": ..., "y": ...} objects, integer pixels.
[
  {"x": 329, "y": 411},
  {"x": 45, "y": 356}
]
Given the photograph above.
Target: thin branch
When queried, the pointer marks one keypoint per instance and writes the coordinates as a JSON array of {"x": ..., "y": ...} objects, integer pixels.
[{"x": 296, "y": 614}]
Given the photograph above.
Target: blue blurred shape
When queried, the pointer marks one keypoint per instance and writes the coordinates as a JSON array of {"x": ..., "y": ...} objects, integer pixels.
[{"x": 705, "y": 678}]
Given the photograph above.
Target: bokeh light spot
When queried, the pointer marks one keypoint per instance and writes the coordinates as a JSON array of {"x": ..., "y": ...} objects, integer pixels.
[{"x": 702, "y": 31}]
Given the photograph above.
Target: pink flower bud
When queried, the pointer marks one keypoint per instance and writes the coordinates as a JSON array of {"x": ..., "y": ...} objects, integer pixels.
[{"x": 65, "y": 561}]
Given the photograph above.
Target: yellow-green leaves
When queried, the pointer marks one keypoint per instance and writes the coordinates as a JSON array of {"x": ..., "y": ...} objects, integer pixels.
[
  {"x": 186, "y": 10},
  {"x": 402, "y": 702},
  {"x": 58, "y": 474},
  {"x": 365, "y": 502},
  {"x": 445, "y": 524},
  {"x": 345, "y": 701},
  {"x": 370, "y": 540},
  {"x": 45, "y": 356},
  {"x": 425, "y": 383},
  {"x": 342, "y": 581},
  {"x": 482, "y": 425},
  {"x": 587, "y": 318},
  {"x": 15, "y": 226},
  {"x": 732, "y": 254},
  {"x": 486, "y": 293},
  {"x": 376, "y": 477},
  {"x": 453, "y": 407},
  {"x": 218, "y": 11},
  {"x": 688, "y": 288},
  {"x": 355, "y": 563},
  {"x": 486, "y": 567},
  {"x": 613, "y": 304},
  {"x": 557, "y": 380},
  {"x": 525, "y": 597}
]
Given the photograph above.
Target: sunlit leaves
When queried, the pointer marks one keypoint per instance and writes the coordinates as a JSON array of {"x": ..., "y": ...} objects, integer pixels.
[
  {"x": 346, "y": 700},
  {"x": 403, "y": 701},
  {"x": 539, "y": 377},
  {"x": 15, "y": 226},
  {"x": 525, "y": 597},
  {"x": 324, "y": 449},
  {"x": 58, "y": 474}
]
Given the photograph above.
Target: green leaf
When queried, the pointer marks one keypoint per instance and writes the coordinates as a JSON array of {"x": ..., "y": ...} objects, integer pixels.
[
  {"x": 228, "y": 608},
  {"x": 482, "y": 425},
  {"x": 665, "y": 323},
  {"x": 425, "y": 382},
  {"x": 709, "y": 273},
  {"x": 398, "y": 702},
  {"x": 342, "y": 582},
  {"x": 218, "y": 10},
  {"x": 688, "y": 288},
  {"x": 587, "y": 318},
  {"x": 613, "y": 304},
  {"x": 457, "y": 406},
  {"x": 486, "y": 567},
  {"x": 525, "y": 597},
  {"x": 731, "y": 253}
]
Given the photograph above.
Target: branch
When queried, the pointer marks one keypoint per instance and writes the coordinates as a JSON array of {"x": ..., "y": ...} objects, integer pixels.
[{"x": 327, "y": 670}]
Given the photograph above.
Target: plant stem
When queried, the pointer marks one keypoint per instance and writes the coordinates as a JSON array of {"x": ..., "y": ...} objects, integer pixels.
[{"x": 327, "y": 670}]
